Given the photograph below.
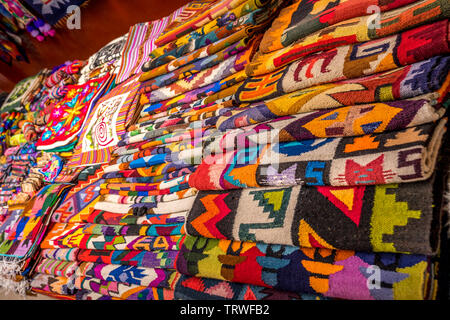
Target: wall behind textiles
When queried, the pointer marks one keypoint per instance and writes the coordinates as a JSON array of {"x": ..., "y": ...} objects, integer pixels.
[{"x": 101, "y": 22}]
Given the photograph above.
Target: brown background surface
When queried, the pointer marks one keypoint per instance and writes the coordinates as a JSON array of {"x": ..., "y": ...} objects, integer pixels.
[{"x": 101, "y": 22}]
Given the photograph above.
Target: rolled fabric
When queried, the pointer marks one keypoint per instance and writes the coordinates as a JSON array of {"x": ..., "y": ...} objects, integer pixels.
[{"x": 332, "y": 273}]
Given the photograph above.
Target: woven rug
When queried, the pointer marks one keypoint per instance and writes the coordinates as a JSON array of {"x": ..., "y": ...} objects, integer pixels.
[
  {"x": 353, "y": 31},
  {"x": 68, "y": 116},
  {"x": 189, "y": 70},
  {"x": 83, "y": 195},
  {"x": 159, "y": 278},
  {"x": 304, "y": 18},
  {"x": 345, "y": 121},
  {"x": 251, "y": 23},
  {"x": 58, "y": 268},
  {"x": 105, "y": 123},
  {"x": 331, "y": 273},
  {"x": 146, "y": 259},
  {"x": 400, "y": 83},
  {"x": 207, "y": 12},
  {"x": 347, "y": 62},
  {"x": 393, "y": 157},
  {"x": 381, "y": 218},
  {"x": 53, "y": 11},
  {"x": 54, "y": 284},
  {"x": 122, "y": 291}
]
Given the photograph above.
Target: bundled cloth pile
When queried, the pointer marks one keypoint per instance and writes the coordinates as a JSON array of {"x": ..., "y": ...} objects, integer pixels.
[{"x": 240, "y": 150}]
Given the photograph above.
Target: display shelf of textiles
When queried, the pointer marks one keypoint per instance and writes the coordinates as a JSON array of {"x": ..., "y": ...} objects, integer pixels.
[{"x": 237, "y": 150}]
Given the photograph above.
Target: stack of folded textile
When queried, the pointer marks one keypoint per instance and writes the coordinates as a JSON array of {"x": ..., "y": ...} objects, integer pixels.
[{"x": 312, "y": 185}]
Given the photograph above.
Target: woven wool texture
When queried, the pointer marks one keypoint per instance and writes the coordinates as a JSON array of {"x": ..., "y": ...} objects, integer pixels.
[
  {"x": 347, "y": 62},
  {"x": 401, "y": 83},
  {"x": 352, "y": 31},
  {"x": 381, "y": 218}
]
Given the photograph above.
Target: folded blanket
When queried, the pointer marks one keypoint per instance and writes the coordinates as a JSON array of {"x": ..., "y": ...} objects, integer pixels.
[
  {"x": 189, "y": 70},
  {"x": 65, "y": 254},
  {"x": 152, "y": 199},
  {"x": 401, "y": 83},
  {"x": 110, "y": 218},
  {"x": 394, "y": 157},
  {"x": 138, "y": 276},
  {"x": 381, "y": 218},
  {"x": 122, "y": 290},
  {"x": 339, "y": 122},
  {"x": 196, "y": 288},
  {"x": 206, "y": 76},
  {"x": 57, "y": 267},
  {"x": 82, "y": 196},
  {"x": 331, "y": 273},
  {"x": 140, "y": 209},
  {"x": 205, "y": 12},
  {"x": 354, "y": 31},
  {"x": 304, "y": 17},
  {"x": 231, "y": 15},
  {"x": 146, "y": 259},
  {"x": 151, "y": 230},
  {"x": 350, "y": 61},
  {"x": 69, "y": 115},
  {"x": 106, "y": 122},
  {"x": 54, "y": 284}
]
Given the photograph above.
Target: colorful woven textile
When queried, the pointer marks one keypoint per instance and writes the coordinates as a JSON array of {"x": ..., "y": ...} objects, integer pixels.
[
  {"x": 122, "y": 291},
  {"x": 54, "y": 284},
  {"x": 402, "y": 83},
  {"x": 189, "y": 70},
  {"x": 196, "y": 288},
  {"x": 81, "y": 196},
  {"x": 146, "y": 259},
  {"x": 394, "y": 157},
  {"x": 54, "y": 10},
  {"x": 205, "y": 77},
  {"x": 186, "y": 12},
  {"x": 105, "y": 123},
  {"x": 25, "y": 233},
  {"x": 68, "y": 116},
  {"x": 158, "y": 278},
  {"x": 232, "y": 28},
  {"x": 57, "y": 267},
  {"x": 382, "y": 218},
  {"x": 206, "y": 14},
  {"x": 351, "y": 61},
  {"x": 20, "y": 92},
  {"x": 331, "y": 273},
  {"x": 304, "y": 17},
  {"x": 353, "y": 31},
  {"x": 60, "y": 254},
  {"x": 344, "y": 121}
]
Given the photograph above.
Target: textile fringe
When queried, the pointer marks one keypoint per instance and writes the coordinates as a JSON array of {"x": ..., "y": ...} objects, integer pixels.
[{"x": 10, "y": 276}]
